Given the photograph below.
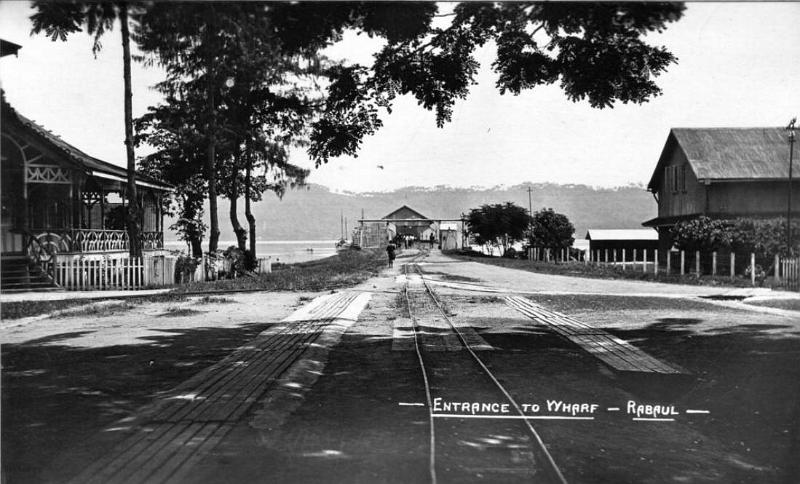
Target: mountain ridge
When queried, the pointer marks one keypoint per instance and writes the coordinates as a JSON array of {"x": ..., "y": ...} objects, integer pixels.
[{"x": 315, "y": 211}]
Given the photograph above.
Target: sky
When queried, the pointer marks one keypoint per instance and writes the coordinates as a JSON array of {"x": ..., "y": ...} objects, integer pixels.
[{"x": 738, "y": 67}]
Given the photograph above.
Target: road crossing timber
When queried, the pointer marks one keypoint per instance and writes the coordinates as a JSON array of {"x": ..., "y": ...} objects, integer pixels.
[
  {"x": 614, "y": 352},
  {"x": 174, "y": 434}
]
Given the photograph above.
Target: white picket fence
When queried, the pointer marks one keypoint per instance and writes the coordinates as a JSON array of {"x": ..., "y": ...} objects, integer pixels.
[
  {"x": 122, "y": 273},
  {"x": 127, "y": 273},
  {"x": 790, "y": 274},
  {"x": 785, "y": 272}
]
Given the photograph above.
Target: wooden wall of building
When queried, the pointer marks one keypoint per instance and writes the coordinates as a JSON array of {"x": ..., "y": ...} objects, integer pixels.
[
  {"x": 752, "y": 198},
  {"x": 690, "y": 196}
]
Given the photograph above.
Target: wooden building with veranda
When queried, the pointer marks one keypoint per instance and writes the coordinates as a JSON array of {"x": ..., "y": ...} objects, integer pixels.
[
  {"x": 722, "y": 173},
  {"x": 60, "y": 204}
]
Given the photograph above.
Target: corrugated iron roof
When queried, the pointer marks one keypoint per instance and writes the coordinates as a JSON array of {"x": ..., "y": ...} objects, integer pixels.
[
  {"x": 731, "y": 153},
  {"x": 414, "y": 213},
  {"x": 725, "y": 153},
  {"x": 621, "y": 234}
]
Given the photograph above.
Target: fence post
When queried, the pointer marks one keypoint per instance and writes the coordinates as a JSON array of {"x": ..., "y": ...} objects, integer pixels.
[
  {"x": 655, "y": 262},
  {"x": 752, "y": 269},
  {"x": 733, "y": 265},
  {"x": 605, "y": 258},
  {"x": 669, "y": 261},
  {"x": 644, "y": 261},
  {"x": 714, "y": 263},
  {"x": 683, "y": 261},
  {"x": 777, "y": 271},
  {"x": 697, "y": 262}
]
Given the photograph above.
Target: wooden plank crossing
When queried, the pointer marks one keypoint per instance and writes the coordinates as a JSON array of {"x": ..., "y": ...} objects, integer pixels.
[
  {"x": 615, "y": 352},
  {"x": 170, "y": 436},
  {"x": 433, "y": 328}
]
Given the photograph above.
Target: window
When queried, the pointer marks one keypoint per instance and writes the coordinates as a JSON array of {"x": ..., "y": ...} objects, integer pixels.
[
  {"x": 675, "y": 178},
  {"x": 683, "y": 178},
  {"x": 668, "y": 178}
]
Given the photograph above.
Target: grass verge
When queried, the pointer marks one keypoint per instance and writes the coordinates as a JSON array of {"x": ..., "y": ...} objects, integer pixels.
[
  {"x": 345, "y": 269},
  {"x": 25, "y": 309}
]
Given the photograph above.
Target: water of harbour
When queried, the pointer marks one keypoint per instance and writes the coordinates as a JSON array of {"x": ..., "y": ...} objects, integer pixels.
[{"x": 285, "y": 251}]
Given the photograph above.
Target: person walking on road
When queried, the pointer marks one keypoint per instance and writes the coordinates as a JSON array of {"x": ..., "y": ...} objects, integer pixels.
[{"x": 390, "y": 251}]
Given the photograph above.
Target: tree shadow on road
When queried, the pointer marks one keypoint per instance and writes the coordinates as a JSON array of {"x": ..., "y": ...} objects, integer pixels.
[{"x": 61, "y": 399}]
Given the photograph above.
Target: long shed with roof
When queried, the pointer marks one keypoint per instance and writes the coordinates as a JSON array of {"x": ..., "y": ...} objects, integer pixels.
[
  {"x": 722, "y": 173},
  {"x": 610, "y": 243}
]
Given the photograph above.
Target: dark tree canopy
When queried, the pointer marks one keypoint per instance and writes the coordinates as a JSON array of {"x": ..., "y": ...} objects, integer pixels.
[
  {"x": 595, "y": 51},
  {"x": 551, "y": 230},
  {"x": 498, "y": 225},
  {"x": 239, "y": 57}
]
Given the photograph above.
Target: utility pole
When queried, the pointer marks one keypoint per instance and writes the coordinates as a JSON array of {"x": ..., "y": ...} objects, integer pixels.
[
  {"x": 530, "y": 214},
  {"x": 791, "y": 128},
  {"x": 530, "y": 206}
]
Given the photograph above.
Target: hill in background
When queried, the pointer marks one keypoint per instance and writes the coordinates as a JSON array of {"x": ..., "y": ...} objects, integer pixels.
[{"x": 313, "y": 212}]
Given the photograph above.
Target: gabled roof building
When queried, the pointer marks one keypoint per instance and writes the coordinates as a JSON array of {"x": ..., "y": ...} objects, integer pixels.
[
  {"x": 59, "y": 201},
  {"x": 722, "y": 173}
]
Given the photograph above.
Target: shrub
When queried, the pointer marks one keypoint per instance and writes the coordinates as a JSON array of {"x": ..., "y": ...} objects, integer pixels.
[
  {"x": 703, "y": 234},
  {"x": 238, "y": 259},
  {"x": 184, "y": 267},
  {"x": 551, "y": 230}
]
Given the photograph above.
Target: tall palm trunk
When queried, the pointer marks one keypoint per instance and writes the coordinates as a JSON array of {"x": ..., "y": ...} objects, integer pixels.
[
  {"x": 241, "y": 233},
  {"x": 193, "y": 232},
  {"x": 233, "y": 196},
  {"x": 213, "y": 236},
  {"x": 248, "y": 213},
  {"x": 134, "y": 211}
]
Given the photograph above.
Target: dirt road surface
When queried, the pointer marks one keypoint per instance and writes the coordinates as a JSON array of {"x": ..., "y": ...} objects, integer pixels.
[{"x": 136, "y": 394}]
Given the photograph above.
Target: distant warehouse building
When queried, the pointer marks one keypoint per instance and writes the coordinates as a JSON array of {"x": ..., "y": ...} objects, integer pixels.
[
  {"x": 608, "y": 244},
  {"x": 407, "y": 224}
]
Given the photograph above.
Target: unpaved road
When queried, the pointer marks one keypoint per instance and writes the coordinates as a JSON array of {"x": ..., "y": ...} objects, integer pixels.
[{"x": 339, "y": 417}]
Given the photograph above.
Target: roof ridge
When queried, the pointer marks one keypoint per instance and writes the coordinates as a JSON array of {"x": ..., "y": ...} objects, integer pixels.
[{"x": 731, "y": 127}]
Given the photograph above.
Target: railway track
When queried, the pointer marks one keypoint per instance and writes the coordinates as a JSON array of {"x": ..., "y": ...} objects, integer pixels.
[{"x": 464, "y": 447}]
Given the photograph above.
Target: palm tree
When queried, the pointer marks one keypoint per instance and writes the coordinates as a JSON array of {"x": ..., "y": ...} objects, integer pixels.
[{"x": 58, "y": 20}]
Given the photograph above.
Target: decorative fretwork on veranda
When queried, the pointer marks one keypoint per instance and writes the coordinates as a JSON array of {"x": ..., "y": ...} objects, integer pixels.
[
  {"x": 47, "y": 174},
  {"x": 88, "y": 240},
  {"x": 152, "y": 240},
  {"x": 92, "y": 241}
]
